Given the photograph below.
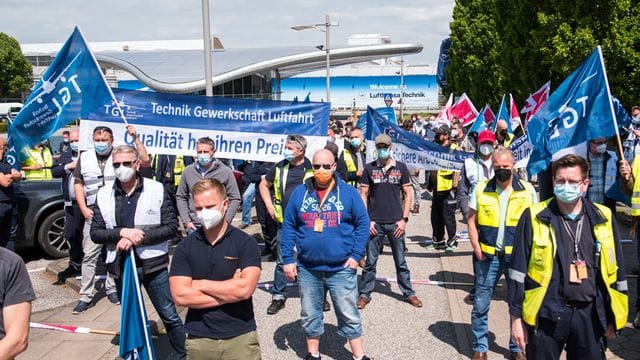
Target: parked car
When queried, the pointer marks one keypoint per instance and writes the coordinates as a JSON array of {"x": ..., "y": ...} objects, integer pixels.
[{"x": 41, "y": 216}]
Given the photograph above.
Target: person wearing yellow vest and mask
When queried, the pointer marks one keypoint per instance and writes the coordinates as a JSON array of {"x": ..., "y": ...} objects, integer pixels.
[
  {"x": 495, "y": 206},
  {"x": 443, "y": 205},
  {"x": 283, "y": 177},
  {"x": 38, "y": 165},
  {"x": 567, "y": 284},
  {"x": 352, "y": 160},
  {"x": 631, "y": 187},
  {"x": 502, "y": 134}
]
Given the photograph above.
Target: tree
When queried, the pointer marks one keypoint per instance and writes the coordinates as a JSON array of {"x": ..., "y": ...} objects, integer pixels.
[
  {"x": 15, "y": 70},
  {"x": 523, "y": 44}
]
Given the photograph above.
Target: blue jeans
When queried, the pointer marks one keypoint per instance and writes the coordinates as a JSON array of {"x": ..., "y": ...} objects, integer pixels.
[
  {"x": 247, "y": 199},
  {"x": 279, "y": 280},
  {"x": 157, "y": 286},
  {"x": 487, "y": 274},
  {"x": 373, "y": 251},
  {"x": 343, "y": 288}
]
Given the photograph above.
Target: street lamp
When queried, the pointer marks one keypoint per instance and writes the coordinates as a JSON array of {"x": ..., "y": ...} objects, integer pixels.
[
  {"x": 401, "y": 73},
  {"x": 206, "y": 36},
  {"x": 326, "y": 29}
]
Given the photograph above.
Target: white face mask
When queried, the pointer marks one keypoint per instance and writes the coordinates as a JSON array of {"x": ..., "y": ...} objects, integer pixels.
[
  {"x": 601, "y": 149},
  {"x": 485, "y": 149},
  {"x": 210, "y": 217},
  {"x": 124, "y": 173}
]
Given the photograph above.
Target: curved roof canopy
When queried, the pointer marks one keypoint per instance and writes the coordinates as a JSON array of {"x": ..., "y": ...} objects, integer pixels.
[{"x": 181, "y": 72}]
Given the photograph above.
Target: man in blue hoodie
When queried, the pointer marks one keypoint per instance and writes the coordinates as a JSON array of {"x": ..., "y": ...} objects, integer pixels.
[{"x": 327, "y": 222}]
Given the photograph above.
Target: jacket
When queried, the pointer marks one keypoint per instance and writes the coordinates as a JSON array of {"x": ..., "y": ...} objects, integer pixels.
[
  {"x": 191, "y": 175},
  {"x": 348, "y": 164},
  {"x": 58, "y": 171},
  {"x": 553, "y": 302},
  {"x": 345, "y": 231},
  {"x": 156, "y": 235},
  {"x": 470, "y": 175},
  {"x": 253, "y": 172}
]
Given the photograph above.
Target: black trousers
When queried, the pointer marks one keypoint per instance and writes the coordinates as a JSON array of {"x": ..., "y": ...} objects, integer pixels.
[
  {"x": 8, "y": 225},
  {"x": 578, "y": 331},
  {"x": 73, "y": 225},
  {"x": 443, "y": 215},
  {"x": 268, "y": 225}
]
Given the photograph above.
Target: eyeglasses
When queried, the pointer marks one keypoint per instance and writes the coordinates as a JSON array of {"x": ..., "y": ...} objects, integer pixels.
[
  {"x": 570, "y": 182},
  {"x": 125, "y": 163},
  {"x": 322, "y": 166}
]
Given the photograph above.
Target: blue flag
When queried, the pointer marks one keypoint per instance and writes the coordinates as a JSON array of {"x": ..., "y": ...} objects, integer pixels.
[
  {"x": 578, "y": 110},
  {"x": 479, "y": 124},
  {"x": 135, "y": 334},
  {"x": 72, "y": 86},
  {"x": 622, "y": 116},
  {"x": 503, "y": 114}
]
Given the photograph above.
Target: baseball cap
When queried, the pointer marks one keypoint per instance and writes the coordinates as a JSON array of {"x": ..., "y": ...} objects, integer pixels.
[
  {"x": 443, "y": 129},
  {"x": 486, "y": 136},
  {"x": 383, "y": 139}
]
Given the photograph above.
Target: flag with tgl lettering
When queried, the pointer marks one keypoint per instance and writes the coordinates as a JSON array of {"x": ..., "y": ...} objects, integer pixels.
[
  {"x": 578, "y": 110},
  {"x": 535, "y": 101},
  {"x": 72, "y": 86},
  {"x": 464, "y": 110}
]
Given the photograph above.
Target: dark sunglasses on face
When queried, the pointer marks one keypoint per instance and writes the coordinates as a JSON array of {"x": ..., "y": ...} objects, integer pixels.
[
  {"x": 323, "y": 166},
  {"x": 125, "y": 163}
]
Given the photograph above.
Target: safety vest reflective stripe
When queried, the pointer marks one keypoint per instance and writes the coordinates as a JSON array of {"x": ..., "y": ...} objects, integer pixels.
[
  {"x": 280, "y": 186},
  {"x": 488, "y": 204},
  {"x": 444, "y": 179},
  {"x": 92, "y": 176},
  {"x": 178, "y": 168},
  {"x": 42, "y": 157},
  {"x": 635, "y": 196},
  {"x": 540, "y": 268},
  {"x": 351, "y": 165}
]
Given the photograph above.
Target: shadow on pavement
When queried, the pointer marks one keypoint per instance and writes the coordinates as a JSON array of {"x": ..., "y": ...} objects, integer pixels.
[
  {"x": 291, "y": 336},
  {"x": 441, "y": 328}
]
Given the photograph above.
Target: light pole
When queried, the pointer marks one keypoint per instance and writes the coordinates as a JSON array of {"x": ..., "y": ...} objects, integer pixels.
[
  {"x": 206, "y": 35},
  {"x": 327, "y": 25},
  {"x": 401, "y": 88}
]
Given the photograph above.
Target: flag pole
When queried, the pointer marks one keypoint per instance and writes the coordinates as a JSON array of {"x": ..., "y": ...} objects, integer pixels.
[
  {"x": 613, "y": 112},
  {"x": 104, "y": 79},
  {"x": 140, "y": 302}
]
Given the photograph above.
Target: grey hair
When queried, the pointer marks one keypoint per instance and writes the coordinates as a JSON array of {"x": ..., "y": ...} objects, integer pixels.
[
  {"x": 501, "y": 150},
  {"x": 126, "y": 149},
  {"x": 299, "y": 140},
  {"x": 207, "y": 141}
]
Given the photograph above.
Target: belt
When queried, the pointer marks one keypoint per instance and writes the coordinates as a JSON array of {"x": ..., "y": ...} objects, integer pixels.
[{"x": 577, "y": 304}]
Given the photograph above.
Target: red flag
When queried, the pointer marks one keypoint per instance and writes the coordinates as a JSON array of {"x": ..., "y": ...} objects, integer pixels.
[
  {"x": 444, "y": 117},
  {"x": 489, "y": 116},
  {"x": 514, "y": 115},
  {"x": 535, "y": 101},
  {"x": 464, "y": 110}
]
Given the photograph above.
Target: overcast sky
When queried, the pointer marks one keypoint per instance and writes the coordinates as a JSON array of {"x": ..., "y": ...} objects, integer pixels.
[{"x": 238, "y": 23}]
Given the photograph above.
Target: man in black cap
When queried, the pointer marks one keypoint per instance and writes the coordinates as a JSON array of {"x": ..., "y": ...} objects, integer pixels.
[{"x": 443, "y": 206}]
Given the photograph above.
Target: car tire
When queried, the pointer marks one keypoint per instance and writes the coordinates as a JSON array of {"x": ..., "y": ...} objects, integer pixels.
[{"x": 51, "y": 235}]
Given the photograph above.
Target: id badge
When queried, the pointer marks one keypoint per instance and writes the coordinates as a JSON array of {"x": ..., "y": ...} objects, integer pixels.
[
  {"x": 573, "y": 274},
  {"x": 581, "y": 266},
  {"x": 317, "y": 225}
]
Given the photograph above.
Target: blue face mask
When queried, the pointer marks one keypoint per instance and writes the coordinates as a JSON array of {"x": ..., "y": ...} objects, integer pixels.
[
  {"x": 635, "y": 119},
  {"x": 74, "y": 147},
  {"x": 566, "y": 193},
  {"x": 383, "y": 154},
  {"x": 355, "y": 142},
  {"x": 288, "y": 154},
  {"x": 204, "y": 159},
  {"x": 101, "y": 147}
]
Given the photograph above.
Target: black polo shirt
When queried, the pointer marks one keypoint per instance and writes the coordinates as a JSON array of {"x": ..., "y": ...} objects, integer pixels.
[
  {"x": 196, "y": 258},
  {"x": 385, "y": 191},
  {"x": 6, "y": 193}
]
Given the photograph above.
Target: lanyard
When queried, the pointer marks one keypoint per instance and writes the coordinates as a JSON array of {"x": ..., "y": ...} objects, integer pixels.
[
  {"x": 575, "y": 237},
  {"x": 326, "y": 195}
]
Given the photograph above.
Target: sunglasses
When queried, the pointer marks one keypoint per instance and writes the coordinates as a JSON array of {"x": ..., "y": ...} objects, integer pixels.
[
  {"x": 125, "y": 163},
  {"x": 322, "y": 166}
]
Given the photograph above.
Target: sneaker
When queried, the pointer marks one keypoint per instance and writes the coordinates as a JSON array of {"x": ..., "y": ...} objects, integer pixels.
[
  {"x": 311, "y": 357},
  {"x": 81, "y": 307},
  {"x": 69, "y": 272},
  {"x": 243, "y": 226},
  {"x": 365, "y": 357},
  {"x": 327, "y": 306},
  {"x": 436, "y": 246},
  {"x": 113, "y": 297},
  {"x": 362, "y": 302},
  {"x": 275, "y": 307},
  {"x": 636, "y": 320},
  {"x": 451, "y": 248}
]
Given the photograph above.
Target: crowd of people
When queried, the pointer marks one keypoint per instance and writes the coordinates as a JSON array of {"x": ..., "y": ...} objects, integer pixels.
[{"x": 324, "y": 215}]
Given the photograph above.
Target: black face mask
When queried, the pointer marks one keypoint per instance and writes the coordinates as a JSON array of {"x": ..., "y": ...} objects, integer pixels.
[
  {"x": 503, "y": 175},
  {"x": 503, "y": 133}
]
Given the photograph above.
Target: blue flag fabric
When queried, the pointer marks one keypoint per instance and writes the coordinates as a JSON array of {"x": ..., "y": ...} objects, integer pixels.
[
  {"x": 578, "y": 110},
  {"x": 622, "y": 116},
  {"x": 72, "y": 86},
  {"x": 503, "y": 114},
  {"x": 479, "y": 124},
  {"x": 135, "y": 334}
]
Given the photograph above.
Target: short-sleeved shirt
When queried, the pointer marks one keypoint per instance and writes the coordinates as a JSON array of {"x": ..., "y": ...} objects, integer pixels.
[
  {"x": 6, "y": 193},
  {"x": 198, "y": 259},
  {"x": 295, "y": 177},
  {"x": 15, "y": 285},
  {"x": 385, "y": 190}
]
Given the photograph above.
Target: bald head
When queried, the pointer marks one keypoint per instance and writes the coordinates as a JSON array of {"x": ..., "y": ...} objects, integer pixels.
[
  {"x": 501, "y": 125},
  {"x": 74, "y": 135},
  {"x": 323, "y": 156}
]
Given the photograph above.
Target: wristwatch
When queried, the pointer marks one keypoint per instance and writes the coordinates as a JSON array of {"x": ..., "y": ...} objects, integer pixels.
[{"x": 406, "y": 219}]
